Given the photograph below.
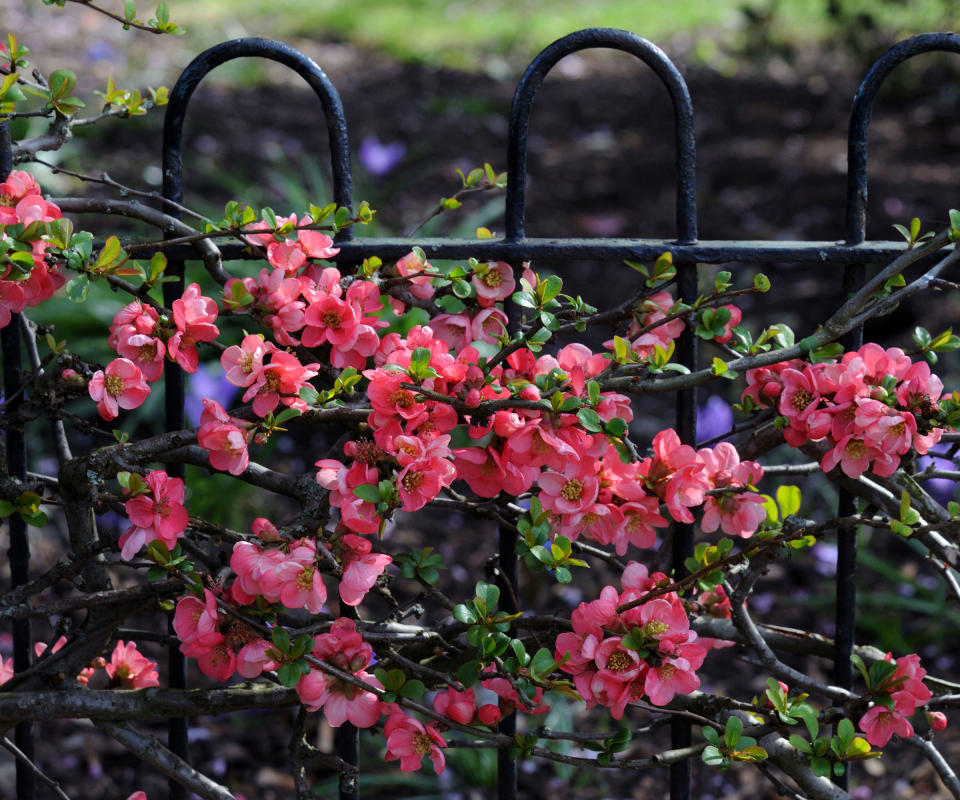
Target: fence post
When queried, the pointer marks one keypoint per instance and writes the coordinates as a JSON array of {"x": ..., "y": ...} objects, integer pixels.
[{"x": 16, "y": 467}]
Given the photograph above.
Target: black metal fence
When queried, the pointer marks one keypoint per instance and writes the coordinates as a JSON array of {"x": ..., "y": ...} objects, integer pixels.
[{"x": 853, "y": 254}]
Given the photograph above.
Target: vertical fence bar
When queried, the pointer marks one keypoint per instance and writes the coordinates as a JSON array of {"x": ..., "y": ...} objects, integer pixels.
[
  {"x": 19, "y": 552},
  {"x": 686, "y": 218},
  {"x": 348, "y": 737},
  {"x": 854, "y": 276}
]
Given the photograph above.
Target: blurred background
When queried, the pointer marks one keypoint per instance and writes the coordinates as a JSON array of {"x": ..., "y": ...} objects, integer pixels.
[{"x": 426, "y": 87}]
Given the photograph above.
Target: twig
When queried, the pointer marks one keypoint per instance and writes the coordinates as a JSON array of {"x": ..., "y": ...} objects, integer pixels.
[
  {"x": 935, "y": 757},
  {"x": 149, "y": 749},
  {"x": 21, "y": 756}
]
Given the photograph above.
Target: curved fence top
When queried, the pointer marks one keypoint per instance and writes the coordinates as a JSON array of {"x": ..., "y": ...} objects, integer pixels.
[
  {"x": 856, "y": 230},
  {"x": 530, "y": 83},
  {"x": 253, "y": 47}
]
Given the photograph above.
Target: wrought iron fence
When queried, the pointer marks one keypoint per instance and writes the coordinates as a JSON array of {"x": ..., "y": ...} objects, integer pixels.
[{"x": 853, "y": 254}]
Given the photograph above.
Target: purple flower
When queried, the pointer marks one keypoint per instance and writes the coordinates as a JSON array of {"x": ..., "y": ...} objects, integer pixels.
[
  {"x": 943, "y": 490},
  {"x": 380, "y": 159},
  {"x": 206, "y": 382},
  {"x": 714, "y": 418}
]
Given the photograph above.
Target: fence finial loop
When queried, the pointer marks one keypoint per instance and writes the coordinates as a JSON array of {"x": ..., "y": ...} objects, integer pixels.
[
  {"x": 856, "y": 230},
  {"x": 254, "y": 47},
  {"x": 668, "y": 73}
]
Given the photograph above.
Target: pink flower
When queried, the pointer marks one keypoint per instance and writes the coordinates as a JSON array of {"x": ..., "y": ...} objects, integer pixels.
[
  {"x": 672, "y": 677},
  {"x": 120, "y": 385},
  {"x": 410, "y": 740},
  {"x": 194, "y": 315},
  {"x": 157, "y": 515},
  {"x": 361, "y": 568},
  {"x": 244, "y": 362},
  {"x": 880, "y": 723},
  {"x": 571, "y": 491},
  {"x": 459, "y": 706},
  {"x": 129, "y": 669},
  {"x": 410, "y": 266},
  {"x": 220, "y": 435},
  {"x": 496, "y": 283}
]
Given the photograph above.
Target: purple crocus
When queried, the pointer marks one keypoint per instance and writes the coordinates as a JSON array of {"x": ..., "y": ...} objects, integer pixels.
[
  {"x": 714, "y": 418},
  {"x": 380, "y": 159}
]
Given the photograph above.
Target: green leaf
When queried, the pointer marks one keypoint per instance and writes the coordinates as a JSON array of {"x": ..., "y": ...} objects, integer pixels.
[
  {"x": 419, "y": 361},
  {"x": 77, "y": 288},
  {"x": 368, "y": 492},
  {"x": 711, "y": 756},
  {"x": 550, "y": 288},
  {"x": 761, "y": 282},
  {"x": 751, "y": 753},
  {"x": 463, "y": 613},
  {"x": 590, "y": 420},
  {"x": 733, "y": 731},
  {"x": 413, "y": 689},
  {"x": 289, "y": 674},
  {"x": 489, "y": 594},
  {"x": 281, "y": 639},
  {"x": 820, "y": 767},
  {"x": 800, "y": 743},
  {"x": 788, "y": 499}
]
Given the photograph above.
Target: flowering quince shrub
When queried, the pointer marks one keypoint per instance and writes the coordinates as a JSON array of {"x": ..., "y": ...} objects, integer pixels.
[{"x": 460, "y": 387}]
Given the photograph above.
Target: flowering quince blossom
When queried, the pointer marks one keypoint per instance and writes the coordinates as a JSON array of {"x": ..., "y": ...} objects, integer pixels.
[
  {"x": 343, "y": 647},
  {"x": 158, "y": 515},
  {"x": 409, "y": 740},
  {"x": 872, "y": 407},
  {"x": 494, "y": 283},
  {"x": 737, "y": 512},
  {"x": 905, "y": 693},
  {"x": 193, "y": 315},
  {"x": 660, "y": 660},
  {"x": 22, "y": 202},
  {"x": 120, "y": 385},
  {"x": 361, "y": 568},
  {"x": 130, "y": 669},
  {"x": 224, "y": 437}
]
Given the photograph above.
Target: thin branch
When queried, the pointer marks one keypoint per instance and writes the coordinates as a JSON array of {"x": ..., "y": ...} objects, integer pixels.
[
  {"x": 935, "y": 757},
  {"x": 149, "y": 749},
  {"x": 21, "y": 756}
]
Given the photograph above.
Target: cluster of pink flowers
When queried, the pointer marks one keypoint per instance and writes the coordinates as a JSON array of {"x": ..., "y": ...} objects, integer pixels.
[
  {"x": 269, "y": 384},
  {"x": 314, "y": 304},
  {"x": 344, "y": 648},
  {"x": 901, "y": 694},
  {"x": 127, "y": 668},
  {"x": 289, "y": 253},
  {"x": 143, "y": 345},
  {"x": 287, "y": 572},
  {"x": 225, "y": 438},
  {"x": 221, "y": 644},
  {"x": 287, "y": 575},
  {"x": 658, "y": 661},
  {"x": 872, "y": 406},
  {"x": 157, "y": 514},
  {"x": 581, "y": 478},
  {"x": 21, "y": 202}
]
